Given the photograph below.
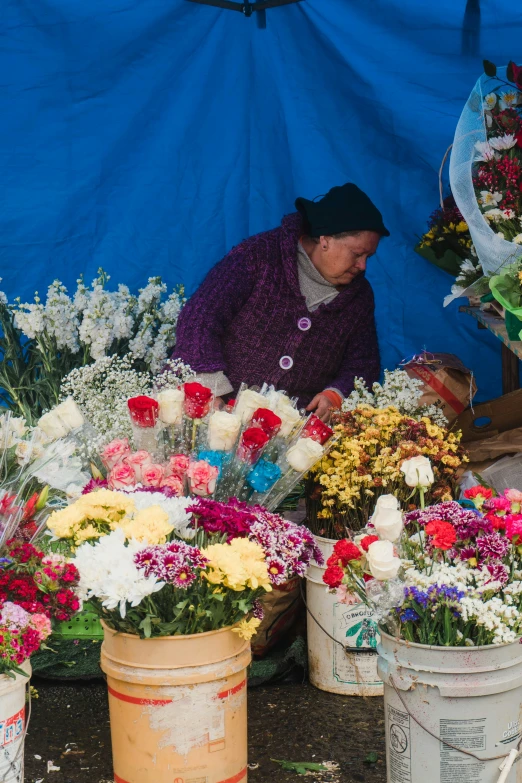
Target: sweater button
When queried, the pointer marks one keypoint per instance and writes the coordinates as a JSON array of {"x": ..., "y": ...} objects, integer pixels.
[
  {"x": 304, "y": 324},
  {"x": 286, "y": 362}
]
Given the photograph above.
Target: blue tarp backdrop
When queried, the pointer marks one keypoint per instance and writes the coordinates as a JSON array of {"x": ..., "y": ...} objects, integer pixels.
[{"x": 148, "y": 137}]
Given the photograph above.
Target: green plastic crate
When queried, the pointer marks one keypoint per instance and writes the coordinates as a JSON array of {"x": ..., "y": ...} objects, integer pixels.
[{"x": 84, "y": 625}]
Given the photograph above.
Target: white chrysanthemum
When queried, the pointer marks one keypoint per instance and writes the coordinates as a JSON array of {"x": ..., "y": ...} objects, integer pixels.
[
  {"x": 490, "y": 101},
  {"x": 108, "y": 572},
  {"x": 509, "y": 99},
  {"x": 484, "y": 151},
  {"x": 505, "y": 142}
]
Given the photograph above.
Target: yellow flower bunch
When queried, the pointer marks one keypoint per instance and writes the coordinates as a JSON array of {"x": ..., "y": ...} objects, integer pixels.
[
  {"x": 366, "y": 462},
  {"x": 98, "y": 513},
  {"x": 238, "y": 565}
]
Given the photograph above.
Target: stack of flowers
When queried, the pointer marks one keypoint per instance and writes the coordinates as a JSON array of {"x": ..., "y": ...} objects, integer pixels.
[
  {"x": 447, "y": 243},
  {"x": 444, "y": 575},
  {"x": 174, "y": 588},
  {"x": 367, "y": 460},
  {"x": 43, "y": 342}
]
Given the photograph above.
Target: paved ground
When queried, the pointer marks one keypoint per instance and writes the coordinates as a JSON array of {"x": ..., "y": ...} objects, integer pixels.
[{"x": 70, "y": 727}]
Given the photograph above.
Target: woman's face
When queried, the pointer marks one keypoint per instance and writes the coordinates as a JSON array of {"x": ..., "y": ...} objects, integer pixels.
[{"x": 341, "y": 260}]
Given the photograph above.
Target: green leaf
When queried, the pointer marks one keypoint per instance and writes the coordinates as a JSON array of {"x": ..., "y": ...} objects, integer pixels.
[
  {"x": 490, "y": 69},
  {"x": 371, "y": 758},
  {"x": 301, "y": 767},
  {"x": 145, "y": 626}
]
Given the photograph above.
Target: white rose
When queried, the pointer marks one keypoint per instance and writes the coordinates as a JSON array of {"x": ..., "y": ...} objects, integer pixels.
[
  {"x": 70, "y": 414},
  {"x": 52, "y": 425},
  {"x": 223, "y": 429},
  {"x": 171, "y": 405},
  {"x": 382, "y": 561},
  {"x": 418, "y": 472},
  {"x": 248, "y": 403},
  {"x": 288, "y": 414},
  {"x": 387, "y": 518},
  {"x": 304, "y": 454}
]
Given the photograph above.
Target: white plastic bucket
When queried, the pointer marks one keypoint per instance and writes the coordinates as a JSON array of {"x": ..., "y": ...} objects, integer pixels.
[
  {"x": 470, "y": 697},
  {"x": 12, "y": 725},
  {"x": 332, "y": 669}
]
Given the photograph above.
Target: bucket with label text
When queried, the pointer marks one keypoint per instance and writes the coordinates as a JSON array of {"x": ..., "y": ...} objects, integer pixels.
[
  {"x": 452, "y": 713},
  {"x": 349, "y": 665}
]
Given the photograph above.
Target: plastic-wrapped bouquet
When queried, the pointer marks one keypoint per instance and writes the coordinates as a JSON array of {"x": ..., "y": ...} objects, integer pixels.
[
  {"x": 446, "y": 575},
  {"x": 173, "y": 588}
]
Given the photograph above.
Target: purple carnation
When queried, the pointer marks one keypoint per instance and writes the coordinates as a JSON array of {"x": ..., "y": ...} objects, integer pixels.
[
  {"x": 492, "y": 545},
  {"x": 467, "y": 522},
  {"x": 93, "y": 485},
  {"x": 499, "y": 573}
]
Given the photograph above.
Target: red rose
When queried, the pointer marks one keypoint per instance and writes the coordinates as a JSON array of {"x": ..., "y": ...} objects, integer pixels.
[
  {"x": 197, "y": 400},
  {"x": 444, "y": 534},
  {"x": 514, "y": 74},
  {"x": 317, "y": 430},
  {"x": 143, "y": 411},
  {"x": 367, "y": 540},
  {"x": 346, "y": 551},
  {"x": 267, "y": 420},
  {"x": 333, "y": 576},
  {"x": 253, "y": 440}
]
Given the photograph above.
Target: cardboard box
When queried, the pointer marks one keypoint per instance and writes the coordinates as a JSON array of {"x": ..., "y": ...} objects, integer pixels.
[{"x": 489, "y": 419}]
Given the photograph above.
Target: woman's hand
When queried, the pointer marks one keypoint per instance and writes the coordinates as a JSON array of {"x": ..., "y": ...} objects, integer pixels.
[{"x": 322, "y": 406}]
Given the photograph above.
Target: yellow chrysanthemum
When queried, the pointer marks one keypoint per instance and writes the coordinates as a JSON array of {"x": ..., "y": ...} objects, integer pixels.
[
  {"x": 150, "y": 524},
  {"x": 246, "y": 629}
]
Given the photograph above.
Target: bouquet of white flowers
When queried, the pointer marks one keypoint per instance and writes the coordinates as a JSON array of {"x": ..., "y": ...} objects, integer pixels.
[{"x": 44, "y": 342}]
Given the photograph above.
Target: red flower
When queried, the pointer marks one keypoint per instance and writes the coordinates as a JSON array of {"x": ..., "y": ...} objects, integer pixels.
[
  {"x": 367, "y": 540},
  {"x": 499, "y": 523},
  {"x": 478, "y": 492},
  {"x": 30, "y": 506},
  {"x": 444, "y": 534},
  {"x": 197, "y": 400},
  {"x": 316, "y": 430},
  {"x": 333, "y": 576},
  {"x": 514, "y": 74},
  {"x": 252, "y": 442},
  {"x": 143, "y": 410},
  {"x": 346, "y": 551},
  {"x": 267, "y": 420}
]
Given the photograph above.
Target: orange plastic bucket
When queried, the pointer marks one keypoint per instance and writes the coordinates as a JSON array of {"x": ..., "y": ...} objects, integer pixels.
[{"x": 178, "y": 707}]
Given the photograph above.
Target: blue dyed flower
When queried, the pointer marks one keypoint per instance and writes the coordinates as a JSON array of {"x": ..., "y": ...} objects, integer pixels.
[{"x": 263, "y": 476}]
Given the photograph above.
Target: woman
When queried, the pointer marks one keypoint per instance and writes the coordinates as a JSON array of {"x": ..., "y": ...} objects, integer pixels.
[{"x": 291, "y": 307}]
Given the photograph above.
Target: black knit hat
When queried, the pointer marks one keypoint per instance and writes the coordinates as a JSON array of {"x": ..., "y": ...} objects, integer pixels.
[{"x": 344, "y": 208}]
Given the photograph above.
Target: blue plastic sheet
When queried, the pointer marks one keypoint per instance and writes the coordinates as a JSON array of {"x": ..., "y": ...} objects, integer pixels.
[{"x": 149, "y": 137}]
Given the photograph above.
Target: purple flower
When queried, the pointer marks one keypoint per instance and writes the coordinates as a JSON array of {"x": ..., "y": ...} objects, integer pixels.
[
  {"x": 467, "y": 553},
  {"x": 492, "y": 545},
  {"x": 93, "y": 485},
  {"x": 467, "y": 522},
  {"x": 499, "y": 573}
]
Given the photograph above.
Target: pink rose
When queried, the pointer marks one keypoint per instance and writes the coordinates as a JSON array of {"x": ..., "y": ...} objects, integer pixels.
[
  {"x": 178, "y": 465},
  {"x": 174, "y": 483},
  {"x": 139, "y": 460},
  {"x": 121, "y": 476},
  {"x": 202, "y": 478},
  {"x": 152, "y": 475},
  {"x": 115, "y": 452}
]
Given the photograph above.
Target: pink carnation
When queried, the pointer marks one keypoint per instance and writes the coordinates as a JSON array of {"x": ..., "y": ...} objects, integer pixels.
[
  {"x": 513, "y": 495},
  {"x": 514, "y": 526}
]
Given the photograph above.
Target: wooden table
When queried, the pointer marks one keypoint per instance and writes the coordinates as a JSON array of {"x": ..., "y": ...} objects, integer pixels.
[{"x": 511, "y": 349}]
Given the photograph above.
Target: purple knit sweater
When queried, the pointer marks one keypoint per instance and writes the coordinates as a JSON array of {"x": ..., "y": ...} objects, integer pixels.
[{"x": 244, "y": 319}]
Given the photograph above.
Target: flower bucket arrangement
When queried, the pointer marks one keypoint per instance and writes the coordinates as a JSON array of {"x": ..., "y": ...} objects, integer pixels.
[
  {"x": 445, "y": 585},
  {"x": 178, "y": 616},
  {"x": 42, "y": 342}
]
